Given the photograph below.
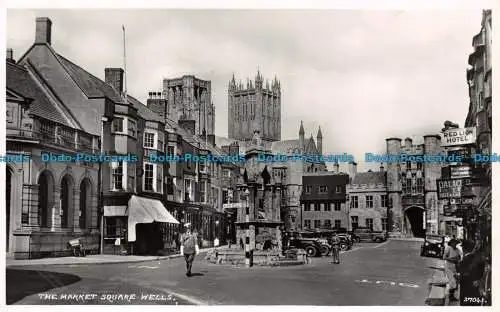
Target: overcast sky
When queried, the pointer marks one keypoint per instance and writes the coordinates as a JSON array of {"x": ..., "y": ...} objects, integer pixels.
[{"x": 362, "y": 75}]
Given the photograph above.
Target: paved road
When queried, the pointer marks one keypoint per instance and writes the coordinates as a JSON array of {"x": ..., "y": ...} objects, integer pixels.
[{"x": 390, "y": 273}]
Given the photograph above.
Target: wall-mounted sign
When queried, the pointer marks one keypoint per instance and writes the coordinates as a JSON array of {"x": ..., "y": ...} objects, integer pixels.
[
  {"x": 451, "y": 188},
  {"x": 458, "y": 136},
  {"x": 459, "y": 172},
  {"x": 232, "y": 205}
]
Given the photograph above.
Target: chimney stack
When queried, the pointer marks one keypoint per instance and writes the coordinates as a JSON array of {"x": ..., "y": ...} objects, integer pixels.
[
  {"x": 381, "y": 167},
  {"x": 10, "y": 56},
  {"x": 43, "y": 30},
  {"x": 114, "y": 77}
]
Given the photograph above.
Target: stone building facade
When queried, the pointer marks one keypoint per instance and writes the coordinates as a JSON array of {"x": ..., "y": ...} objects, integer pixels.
[
  {"x": 368, "y": 204},
  {"x": 254, "y": 106},
  {"x": 412, "y": 188},
  {"x": 323, "y": 201}
]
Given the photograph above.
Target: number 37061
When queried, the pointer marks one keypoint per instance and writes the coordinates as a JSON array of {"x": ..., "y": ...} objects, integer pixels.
[{"x": 474, "y": 299}]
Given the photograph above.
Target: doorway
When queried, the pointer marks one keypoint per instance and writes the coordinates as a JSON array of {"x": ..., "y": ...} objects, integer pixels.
[{"x": 414, "y": 221}]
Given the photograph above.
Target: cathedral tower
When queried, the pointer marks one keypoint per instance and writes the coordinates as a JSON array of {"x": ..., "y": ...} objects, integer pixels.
[{"x": 254, "y": 106}]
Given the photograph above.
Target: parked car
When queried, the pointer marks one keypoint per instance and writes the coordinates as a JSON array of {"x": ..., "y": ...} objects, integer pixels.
[
  {"x": 325, "y": 234},
  {"x": 366, "y": 234},
  {"x": 433, "y": 245},
  {"x": 312, "y": 246}
]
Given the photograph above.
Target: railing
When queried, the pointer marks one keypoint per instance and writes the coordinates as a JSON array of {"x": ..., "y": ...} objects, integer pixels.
[{"x": 53, "y": 134}]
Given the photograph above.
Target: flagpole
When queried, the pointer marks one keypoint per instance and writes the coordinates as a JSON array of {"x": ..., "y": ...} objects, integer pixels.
[{"x": 124, "y": 67}]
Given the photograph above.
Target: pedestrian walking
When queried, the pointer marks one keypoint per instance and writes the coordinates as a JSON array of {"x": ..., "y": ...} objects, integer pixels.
[
  {"x": 189, "y": 247},
  {"x": 335, "y": 243},
  {"x": 451, "y": 258}
]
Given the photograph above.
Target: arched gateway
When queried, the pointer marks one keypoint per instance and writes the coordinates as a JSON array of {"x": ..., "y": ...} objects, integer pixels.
[{"x": 414, "y": 221}]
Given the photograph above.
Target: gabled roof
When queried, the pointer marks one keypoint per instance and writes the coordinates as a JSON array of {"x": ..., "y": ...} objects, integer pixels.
[
  {"x": 19, "y": 81},
  {"x": 369, "y": 178},
  {"x": 92, "y": 86}
]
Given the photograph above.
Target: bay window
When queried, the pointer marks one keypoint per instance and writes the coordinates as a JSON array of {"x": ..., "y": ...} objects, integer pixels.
[
  {"x": 148, "y": 177},
  {"x": 117, "y": 176}
]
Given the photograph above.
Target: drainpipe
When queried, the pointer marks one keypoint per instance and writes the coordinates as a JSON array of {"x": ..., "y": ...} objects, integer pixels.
[{"x": 101, "y": 206}]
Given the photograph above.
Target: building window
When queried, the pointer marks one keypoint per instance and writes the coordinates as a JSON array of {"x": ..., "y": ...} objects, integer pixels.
[
  {"x": 408, "y": 185},
  {"x": 117, "y": 124},
  {"x": 408, "y": 165},
  {"x": 187, "y": 190},
  {"x": 307, "y": 207},
  {"x": 354, "y": 222},
  {"x": 170, "y": 186},
  {"x": 338, "y": 189},
  {"x": 354, "y": 202},
  {"x": 328, "y": 223},
  {"x": 225, "y": 196},
  {"x": 203, "y": 191},
  {"x": 323, "y": 189},
  {"x": 292, "y": 218},
  {"x": 317, "y": 224},
  {"x": 317, "y": 207},
  {"x": 384, "y": 224},
  {"x": 202, "y": 166},
  {"x": 117, "y": 175},
  {"x": 420, "y": 185},
  {"x": 328, "y": 207},
  {"x": 383, "y": 200},
  {"x": 369, "y": 201},
  {"x": 170, "y": 150},
  {"x": 338, "y": 224},
  {"x": 337, "y": 206},
  {"x": 132, "y": 127},
  {"x": 369, "y": 223},
  {"x": 419, "y": 166},
  {"x": 226, "y": 173},
  {"x": 148, "y": 177},
  {"x": 308, "y": 189},
  {"x": 307, "y": 224},
  {"x": 149, "y": 140}
]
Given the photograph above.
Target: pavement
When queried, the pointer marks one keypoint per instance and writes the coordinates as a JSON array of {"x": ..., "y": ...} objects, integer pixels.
[
  {"x": 92, "y": 259},
  {"x": 390, "y": 273}
]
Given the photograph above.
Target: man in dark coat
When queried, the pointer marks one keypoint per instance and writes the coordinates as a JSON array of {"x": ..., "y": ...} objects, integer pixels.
[{"x": 189, "y": 247}]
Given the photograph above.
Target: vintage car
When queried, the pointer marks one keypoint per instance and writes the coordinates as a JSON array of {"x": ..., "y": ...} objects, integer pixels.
[
  {"x": 294, "y": 240},
  {"x": 366, "y": 234},
  {"x": 325, "y": 234},
  {"x": 433, "y": 245}
]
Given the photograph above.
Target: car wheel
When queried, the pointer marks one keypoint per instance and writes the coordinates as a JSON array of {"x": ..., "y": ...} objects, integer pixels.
[
  {"x": 344, "y": 246},
  {"x": 356, "y": 239},
  {"x": 378, "y": 240},
  {"x": 311, "y": 251},
  {"x": 325, "y": 250}
]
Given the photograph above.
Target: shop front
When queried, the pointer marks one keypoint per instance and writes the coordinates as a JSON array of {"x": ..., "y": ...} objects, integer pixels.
[{"x": 142, "y": 227}]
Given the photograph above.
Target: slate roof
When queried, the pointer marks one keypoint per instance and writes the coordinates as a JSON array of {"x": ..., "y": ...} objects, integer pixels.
[
  {"x": 369, "y": 178},
  {"x": 19, "y": 81},
  {"x": 144, "y": 111},
  {"x": 92, "y": 86},
  {"x": 286, "y": 147}
]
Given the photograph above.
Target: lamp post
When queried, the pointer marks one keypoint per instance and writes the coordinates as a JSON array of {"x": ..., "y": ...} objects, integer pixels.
[{"x": 348, "y": 211}]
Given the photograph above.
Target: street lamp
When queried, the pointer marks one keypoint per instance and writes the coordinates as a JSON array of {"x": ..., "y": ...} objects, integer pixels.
[{"x": 348, "y": 211}]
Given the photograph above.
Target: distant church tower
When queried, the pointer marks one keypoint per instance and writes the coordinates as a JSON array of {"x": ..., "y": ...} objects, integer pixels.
[{"x": 254, "y": 107}]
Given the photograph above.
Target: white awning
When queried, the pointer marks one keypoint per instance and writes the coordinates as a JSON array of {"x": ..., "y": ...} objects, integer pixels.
[{"x": 146, "y": 210}]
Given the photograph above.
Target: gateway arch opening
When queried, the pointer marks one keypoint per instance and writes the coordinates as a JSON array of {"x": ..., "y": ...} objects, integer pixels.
[{"x": 414, "y": 221}]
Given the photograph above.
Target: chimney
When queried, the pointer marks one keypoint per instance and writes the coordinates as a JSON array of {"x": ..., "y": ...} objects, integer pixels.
[
  {"x": 114, "y": 77},
  {"x": 10, "y": 56},
  {"x": 353, "y": 169},
  {"x": 381, "y": 167},
  {"x": 336, "y": 167},
  {"x": 43, "y": 30},
  {"x": 188, "y": 125},
  {"x": 408, "y": 143}
]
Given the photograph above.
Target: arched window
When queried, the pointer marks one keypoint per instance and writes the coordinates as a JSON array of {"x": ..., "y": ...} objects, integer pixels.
[
  {"x": 85, "y": 192},
  {"x": 45, "y": 199},
  {"x": 67, "y": 202}
]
